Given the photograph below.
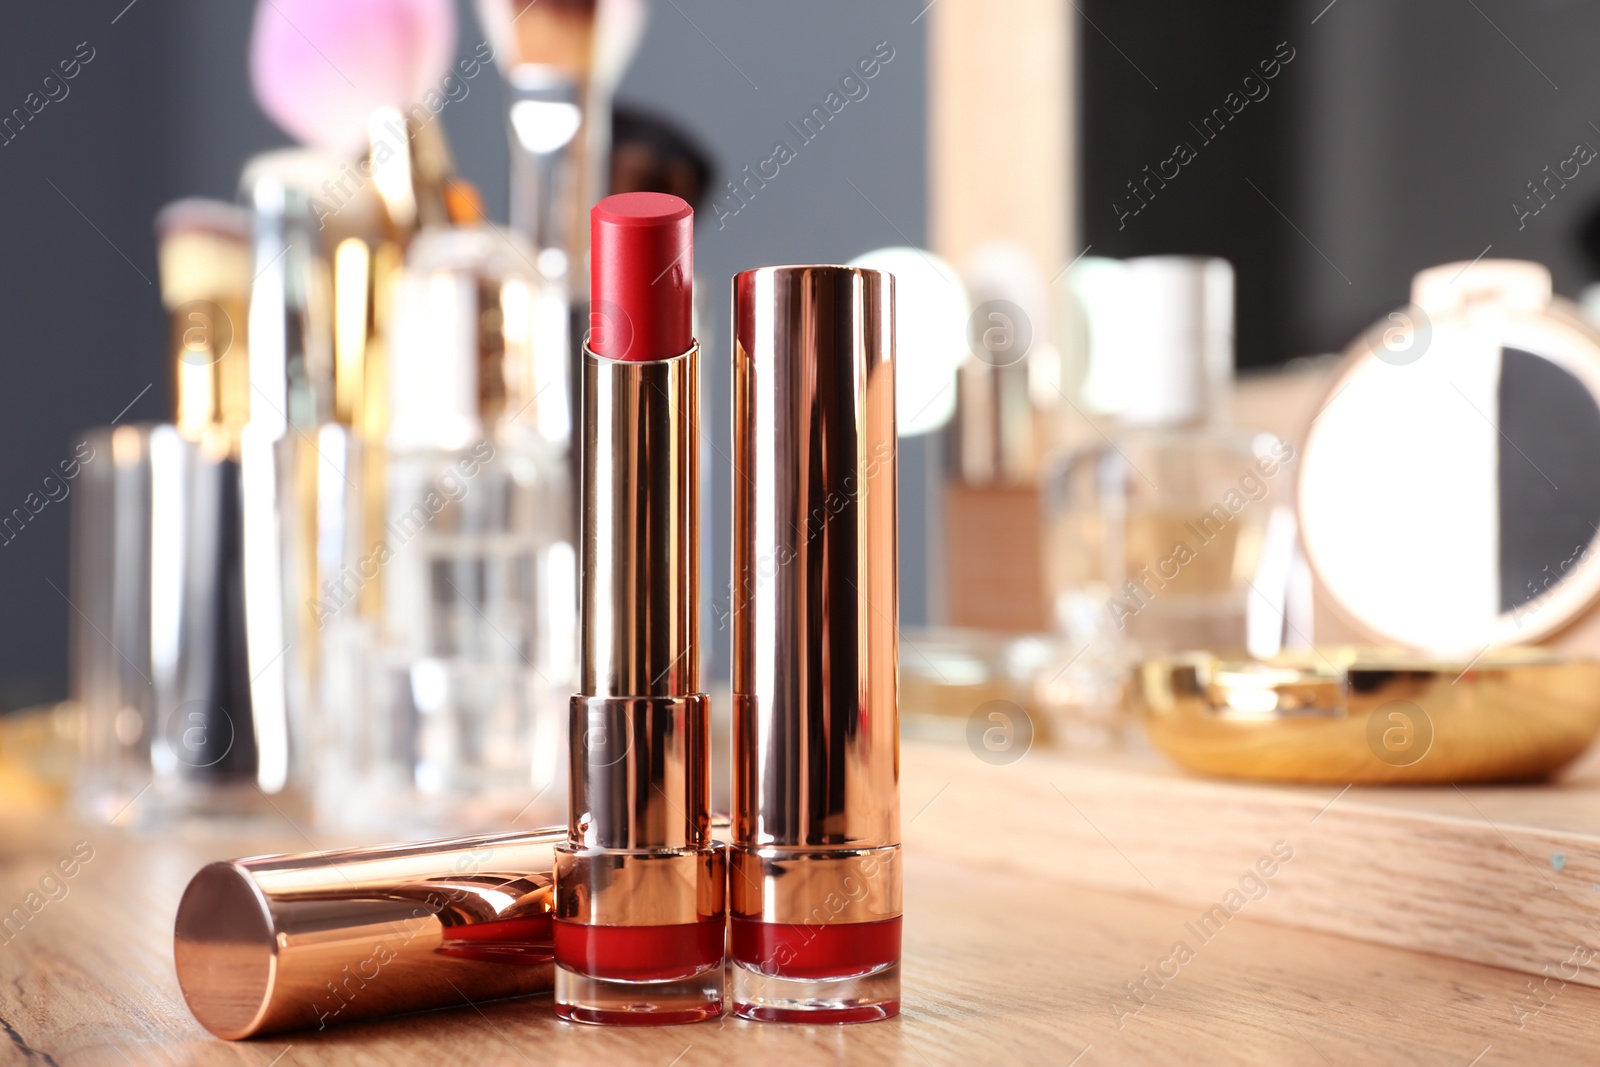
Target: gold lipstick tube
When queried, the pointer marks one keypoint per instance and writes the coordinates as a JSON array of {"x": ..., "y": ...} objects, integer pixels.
[
  {"x": 814, "y": 878},
  {"x": 641, "y": 527},
  {"x": 306, "y": 941},
  {"x": 640, "y": 885}
]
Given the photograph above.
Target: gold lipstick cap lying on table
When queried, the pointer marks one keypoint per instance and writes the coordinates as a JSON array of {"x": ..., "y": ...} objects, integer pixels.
[{"x": 306, "y": 941}]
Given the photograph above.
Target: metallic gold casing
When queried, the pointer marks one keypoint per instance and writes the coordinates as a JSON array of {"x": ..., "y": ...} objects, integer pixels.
[
  {"x": 640, "y": 571},
  {"x": 1371, "y": 717},
  {"x": 302, "y": 941},
  {"x": 641, "y": 779},
  {"x": 782, "y": 885},
  {"x": 657, "y": 888},
  {"x": 639, "y": 849},
  {"x": 815, "y": 726}
]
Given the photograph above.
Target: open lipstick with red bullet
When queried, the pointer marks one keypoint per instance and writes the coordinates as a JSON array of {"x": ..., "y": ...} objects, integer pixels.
[
  {"x": 640, "y": 885},
  {"x": 643, "y": 915}
]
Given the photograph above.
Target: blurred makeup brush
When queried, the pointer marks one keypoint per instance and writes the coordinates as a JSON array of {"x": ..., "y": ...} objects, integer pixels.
[
  {"x": 362, "y": 77},
  {"x": 320, "y": 69},
  {"x": 562, "y": 60},
  {"x": 365, "y": 75},
  {"x": 651, "y": 154},
  {"x": 203, "y": 249}
]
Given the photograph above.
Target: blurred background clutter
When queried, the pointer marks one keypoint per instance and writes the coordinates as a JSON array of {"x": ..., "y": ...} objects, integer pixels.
[{"x": 1241, "y": 331}]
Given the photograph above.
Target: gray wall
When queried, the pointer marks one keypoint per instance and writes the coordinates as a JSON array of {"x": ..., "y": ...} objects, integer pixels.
[
  {"x": 795, "y": 54},
  {"x": 1398, "y": 138},
  {"x": 80, "y": 317},
  {"x": 1428, "y": 122},
  {"x": 163, "y": 110}
]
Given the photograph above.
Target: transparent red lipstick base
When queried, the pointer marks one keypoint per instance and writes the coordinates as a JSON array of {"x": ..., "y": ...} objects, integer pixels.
[
  {"x": 824, "y": 973},
  {"x": 639, "y": 975}
]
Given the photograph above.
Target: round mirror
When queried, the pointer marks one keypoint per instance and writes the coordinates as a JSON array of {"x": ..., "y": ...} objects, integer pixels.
[{"x": 1450, "y": 482}]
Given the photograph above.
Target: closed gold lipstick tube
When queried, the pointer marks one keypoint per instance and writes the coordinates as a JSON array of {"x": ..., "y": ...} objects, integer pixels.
[
  {"x": 640, "y": 885},
  {"x": 306, "y": 941},
  {"x": 814, "y": 868}
]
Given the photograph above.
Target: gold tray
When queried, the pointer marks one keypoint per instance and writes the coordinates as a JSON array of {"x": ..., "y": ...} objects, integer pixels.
[{"x": 1369, "y": 716}]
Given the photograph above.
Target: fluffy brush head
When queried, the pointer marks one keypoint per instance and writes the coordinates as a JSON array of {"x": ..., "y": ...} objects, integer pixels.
[
  {"x": 557, "y": 33},
  {"x": 320, "y": 67},
  {"x": 588, "y": 39}
]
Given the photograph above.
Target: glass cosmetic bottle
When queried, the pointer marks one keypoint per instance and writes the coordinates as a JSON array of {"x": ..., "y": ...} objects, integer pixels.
[
  {"x": 159, "y": 568},
  {"x": 298, "y": 461},
  {"x": 448, "y": 629},
  {"x": 1155, "y": 534}
]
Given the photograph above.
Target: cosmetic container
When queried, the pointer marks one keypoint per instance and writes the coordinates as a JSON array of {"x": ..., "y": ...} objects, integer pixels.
[
  {"x": 448, "y": 627},
  {"x": 1344, "y": 714},
  {"x": 270, "y": 944},
  {"x": 299, "y": 464},
  {"x": 814, "y": 866},
  {"x": 640, "y": 885},
  {"x": 157, "y": 642},
  {"x": 1156, "y": 534},
  {"x": 308, "y": 941},
  {"x": 158, "y": 638}
]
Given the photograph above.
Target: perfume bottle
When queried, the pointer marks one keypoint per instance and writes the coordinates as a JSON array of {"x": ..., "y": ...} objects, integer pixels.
[
  {"x": 299, "y": 450},
  {"x": 448, "y": 632},
  {"x": 1155, "y": 534}
]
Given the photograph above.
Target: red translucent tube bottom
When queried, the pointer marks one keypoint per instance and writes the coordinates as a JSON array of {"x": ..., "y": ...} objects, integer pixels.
[
  {"x": 823, "y": 973},
  {"x": 639, "y": 975},
  {"x": 821, "y": 950},
  {"x": 639, "y": 953}
]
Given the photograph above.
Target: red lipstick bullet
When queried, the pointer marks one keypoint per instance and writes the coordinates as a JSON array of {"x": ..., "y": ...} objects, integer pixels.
[
  {"x": 640, "y": 915},
  {"x": 642, "y": 277}
]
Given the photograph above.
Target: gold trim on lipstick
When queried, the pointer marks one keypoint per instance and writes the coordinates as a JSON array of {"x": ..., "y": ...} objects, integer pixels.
[
  {"x": 641, "y": 526},
  {"x": 310, "y": 940}
]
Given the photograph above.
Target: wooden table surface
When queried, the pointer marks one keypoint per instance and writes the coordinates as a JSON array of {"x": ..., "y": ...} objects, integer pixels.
[
  {"x": 999, "y": 968},
  {"x": 1502, "y": 875}
]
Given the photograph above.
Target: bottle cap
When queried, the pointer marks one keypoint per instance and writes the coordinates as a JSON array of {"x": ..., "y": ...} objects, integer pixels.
[
  {"x": 1180, "y": 356},
  {"x": 277, "y": 943}
]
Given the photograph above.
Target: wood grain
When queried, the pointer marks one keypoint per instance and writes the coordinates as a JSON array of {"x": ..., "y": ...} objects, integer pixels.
[
  {"x": 1505, "y": 876},
  {"x": 1000, "y": 967}
]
